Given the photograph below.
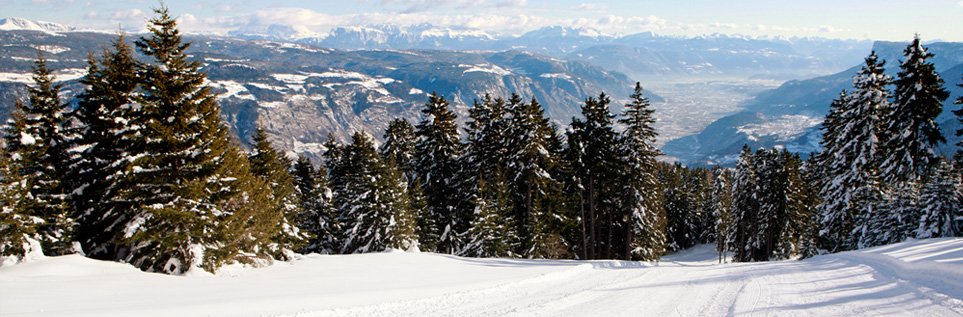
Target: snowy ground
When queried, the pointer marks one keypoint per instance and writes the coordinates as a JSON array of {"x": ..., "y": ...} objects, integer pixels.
[{"x": 922, "y": 278}]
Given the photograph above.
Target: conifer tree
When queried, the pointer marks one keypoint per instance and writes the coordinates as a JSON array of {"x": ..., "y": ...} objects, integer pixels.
[
  {"x": 639, "y": 196},
  {"x": 104, "y": 110},
  {"x": 37, "y": 142},
  {"x": 399, "y": 146},
  {"x": 530, "y": 162},
  {"x": 437, "y": 152},
  {"x": 196, "y": 203},
  {"x": 317, "y": 213},
  {"x": 492, "y": 232},
  {"x": 918, "y": 101},
  {"x": 853, "y": 150},
  {"x": 18, "y": 228},
  {"x": 721, "y": 202},
  {"x": 374, "y": 205},
  {"x": 487, "y": 136},
  {"x": 942, "y": 202},
  {"x": 273, "y": 168},
  {"x": 592, "y": 155}
]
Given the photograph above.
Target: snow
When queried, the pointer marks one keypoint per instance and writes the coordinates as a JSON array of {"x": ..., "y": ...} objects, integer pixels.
[
  {"x": 485, "y": 68},
  {"x": 919, "y": 277}
]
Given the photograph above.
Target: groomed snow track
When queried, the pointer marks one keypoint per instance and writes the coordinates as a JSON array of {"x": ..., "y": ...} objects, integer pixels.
[{"x": 869, "y": 283}]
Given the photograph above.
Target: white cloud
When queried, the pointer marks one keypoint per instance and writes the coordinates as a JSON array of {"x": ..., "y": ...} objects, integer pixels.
[
  {"x": 91, "y": 15},
  {"x": 127, "y": 14},
  {"x": 590, "y": 7},
  {"x": 511, "y": 3},
  {"x": 227, "y": 8}
]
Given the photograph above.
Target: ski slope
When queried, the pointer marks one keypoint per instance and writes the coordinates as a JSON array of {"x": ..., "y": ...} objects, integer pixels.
[{"x": 920, "y": 277}]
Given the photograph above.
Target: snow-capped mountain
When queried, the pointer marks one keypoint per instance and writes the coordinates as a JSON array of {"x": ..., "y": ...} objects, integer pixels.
[{"x": 11, "y": 24}]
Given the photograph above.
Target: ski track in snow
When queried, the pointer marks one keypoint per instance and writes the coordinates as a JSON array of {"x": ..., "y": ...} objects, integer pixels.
[
  {"x": 848, "y": 284},
  {"x": 914, "y": 278}
]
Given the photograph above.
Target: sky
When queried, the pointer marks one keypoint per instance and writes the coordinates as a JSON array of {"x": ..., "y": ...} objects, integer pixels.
[{"x": 894, "y": 20}]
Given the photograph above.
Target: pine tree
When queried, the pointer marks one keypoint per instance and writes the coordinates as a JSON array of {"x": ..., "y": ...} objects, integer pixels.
[
  {"x": 721, "y": 202},
  {"x": 399, "y": 146},
  {"x": 942, "y": 202},
  {"x": 374, "y": 205},
  {"x": 487, "y": 136},
  {"x": 918, "y": 101},
  {"x": 273, "y": 168},
  {"x": 105, "y": 108},
  {"x": 196, "y": 203},
  {"x": 38, "y": 143},
  {"x": 437, "y": 152},
  {"x": 317, "y": 214},
  {"x": 639, "y": 195},
  {"x": 853, "y": 142},
  {"x": 679, "y": 208},
  {"x": 592, "y": 156},
  {"x": 492, "y": 232},
  {"x": 530, "y": 162},
  {"x": 18, "y": 228}
]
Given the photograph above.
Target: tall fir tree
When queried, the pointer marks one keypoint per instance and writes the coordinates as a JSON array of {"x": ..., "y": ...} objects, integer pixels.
[
  {"x": 647, "y": 220},
  {"x": 592, "y": 155},
  {"x": 853, "y": 150},
  {"x": 942, "y": 203},
  {"x": 918, "y": 101},
  {"x": 38, "y": 142},
  {"x": 492, "y": 232},
  {"x": 104, "y": 110},
  {"x": 273, "y": 168},
  {"x": 373, "y": 205},
  {"x": 196, "y": 203},
  {"x": 399, "y": 146},
  {"x": 530, "y": 162},
  {"x": 437, "y": 152},
  {"x": 18, "y": 227},
  {"x": 317, "y": 213}
]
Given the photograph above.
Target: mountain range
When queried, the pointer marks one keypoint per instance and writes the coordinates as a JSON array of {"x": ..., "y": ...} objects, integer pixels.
[{"x": 302, "y": 94}]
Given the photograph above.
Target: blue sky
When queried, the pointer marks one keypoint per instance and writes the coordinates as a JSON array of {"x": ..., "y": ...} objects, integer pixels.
[{"x": 851, "y": 19}]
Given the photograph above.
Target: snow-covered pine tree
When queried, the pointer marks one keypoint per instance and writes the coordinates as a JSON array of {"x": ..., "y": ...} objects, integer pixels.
[
  {"x": 487, "y": 137},
  {"x": 437, "y": 154},
  {"x": 592, "y": 154},
  {"x": 492, "y": 232},
  {"x": 720, "y": 203},
  {"x": 104, "y": 111},
  {"x": 853, "y": 139},
  {"x": 374, "y": 205},
  {"x": 530, "y": 162},
  {"x": 273, "y": 168},
  {"x": 799, "y": 201},
  {"x": 317, "y": 213},
  {"x": 745, "y": 206},
  {"x": 914, "y": 133},
  {"x": 639, "y": 195},
  {"x": 38, "y": 142},
  {"x": 195, "y": 201},
  {"x": 678, "y": 207},
  {"x": 399, "y": 146},
  {"x": 18, "y": 228},
  {"x": 942, "y": 203}
]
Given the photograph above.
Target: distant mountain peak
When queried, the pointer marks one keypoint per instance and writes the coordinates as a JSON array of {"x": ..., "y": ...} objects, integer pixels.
[{"x": 16, "y": 24}]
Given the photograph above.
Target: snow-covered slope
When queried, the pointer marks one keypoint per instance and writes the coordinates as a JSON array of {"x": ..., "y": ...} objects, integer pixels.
[
  {"x": 922, "y": 278},
  {"x": 13, "y": 24}
]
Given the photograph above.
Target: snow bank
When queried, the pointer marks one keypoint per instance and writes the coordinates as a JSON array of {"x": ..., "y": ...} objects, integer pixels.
[{"x": 920, "y": 277}]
